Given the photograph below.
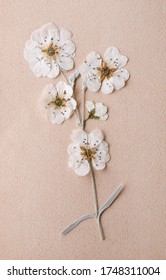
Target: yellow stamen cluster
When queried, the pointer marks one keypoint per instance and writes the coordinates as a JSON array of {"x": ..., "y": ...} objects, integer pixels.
[
  {"x": 105, "y": 71},
  {"x": 51, "y": 51},
  {"x": 87, "y": 154},
  {"x": 57, "y": 102}
]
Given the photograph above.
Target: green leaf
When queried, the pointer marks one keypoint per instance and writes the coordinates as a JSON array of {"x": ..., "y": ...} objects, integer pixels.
[{"x": 91, "y": 114}]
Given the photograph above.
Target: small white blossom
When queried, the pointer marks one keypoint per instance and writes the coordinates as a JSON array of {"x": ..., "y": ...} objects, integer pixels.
[
  {"x": 97, "y": 111},
  {"x": 49, "y": 51},
  {"x": 87, "y": 149},
  {"x": 107, "y": 74},
  {"x": 57, "y": 102}
]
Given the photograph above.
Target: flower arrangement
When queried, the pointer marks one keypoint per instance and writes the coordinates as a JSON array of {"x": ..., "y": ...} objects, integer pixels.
[{"x": 50, "y": 52}]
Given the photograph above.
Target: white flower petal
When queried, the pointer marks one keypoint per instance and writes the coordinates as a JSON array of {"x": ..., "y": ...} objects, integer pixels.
[
  {"x": 56, "y": 117},
  {"x": 50, "y": 91},
  {"x": 37, "y": 70},
  {"x": 79, "y": 136},
  {"x": 67, "y": 48},
  {"x": 110, "y": 54},
  {"x": 122, "y": 73},
  {"x": 84, "y": 69},
  {"x": 113, "y": 57},
  {"x": 65, "y": 34},
  {"x": 102, "y": 147},
  {"x": 75, "y": 161},
  {"x": 122, "y": 61},
  {"x": 95, "y": 138},
  {"x": 93, "y": 60},
  {"x": 73, "y": 148},
  {"x": 83, "y": 168},
  {"x": 118, "y": 82},
  {"x": 66, "y": 112},
  {"x": 61, "y": 86},
  {"x": 31, "y": 44},
  {"x": 33, "y": 55},
  {"x": 104, "y": 117},
  {"x": 71, "y": 104},
  {"x": 54, "y": 72},
  {"x": 107, "y": 86},
  {"x": 49, "y": 95},
  {"x": 65, "y": 62},
  {"x": 68, "y": 92},
  {"x": 32, "y": 64},
  {"x": 45, "y": 68},
  {"x": 93, "y": 83},
  {"x": 50, "y": 33},
  {"x": 98, "y": 165},
  {"x": 102, "y": 156},
  {"x": 90, "y": 105},
  {"x": 88, "y": 70},
  {"x": 36, "y": 36},
  {"x": 100, "y": 109},
  {"x": 64, "y": 90}
]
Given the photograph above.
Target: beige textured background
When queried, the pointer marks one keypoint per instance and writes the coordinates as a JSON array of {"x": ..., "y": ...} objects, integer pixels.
[{"x": 39, "y": 194}]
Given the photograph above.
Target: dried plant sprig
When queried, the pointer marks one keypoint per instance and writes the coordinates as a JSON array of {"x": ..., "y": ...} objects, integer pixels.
[{"x": 49, "y": 52}]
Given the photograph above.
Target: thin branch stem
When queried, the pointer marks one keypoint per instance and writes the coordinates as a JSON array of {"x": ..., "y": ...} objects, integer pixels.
[
  {"x": 83, "y": 108},
  {"x": 96, "y": 201},
  {"x": 82, "y": 123},
  {"x": 66, "y": 79}
]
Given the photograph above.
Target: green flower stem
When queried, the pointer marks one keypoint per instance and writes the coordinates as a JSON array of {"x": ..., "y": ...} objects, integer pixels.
[
  {"x": 82, "y": 123},
  {"x": 83, "y": 108},
  {"x": 96, "y": 201}
]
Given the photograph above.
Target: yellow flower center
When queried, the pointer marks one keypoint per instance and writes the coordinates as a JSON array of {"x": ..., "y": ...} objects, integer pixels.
[
  {"x": 87, "y": 154},
  {"x": 51, "y": 51},
  {"x": 57, "y": 102},
  {"x": 105, "y": 71}
]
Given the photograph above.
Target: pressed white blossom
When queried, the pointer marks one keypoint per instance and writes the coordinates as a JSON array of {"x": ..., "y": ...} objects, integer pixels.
[
  {"x": 97, "y": 111},
  {"x": 107, "y": 74},
  {"x": 87, "y": 149},
  {"x": 49, "y": 51},
  {"x": 57, "y": 102}
]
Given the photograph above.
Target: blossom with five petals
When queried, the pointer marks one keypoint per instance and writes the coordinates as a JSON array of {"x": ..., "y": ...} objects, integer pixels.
[
  {"x": 87, "y": 149},
  {"x": 57, "y": 102},
  {"x": 49, "y": 51},
  {"x": 107, "y": 74}
]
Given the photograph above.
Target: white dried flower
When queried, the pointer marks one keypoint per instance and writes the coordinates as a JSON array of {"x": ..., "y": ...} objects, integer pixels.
[
  {"x": 87, "y": 149},
  {"x": 57, "y": 102},
  {"x": 108, "y": 75},
  {"x": 97, "y": 111},
  {"x": 49, "y": 51}
]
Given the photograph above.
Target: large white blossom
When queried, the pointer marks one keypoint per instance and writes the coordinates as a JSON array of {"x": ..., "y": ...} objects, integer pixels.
[
  {"x": 107, "y": 74},
  {"x": 57, "y": 102},
  {"x": 97, "y": 110},
  {"x": 87, "y": 149},
  {"x": 49, "y": 51}
]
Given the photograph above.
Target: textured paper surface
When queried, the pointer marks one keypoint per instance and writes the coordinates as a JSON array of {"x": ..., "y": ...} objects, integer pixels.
[{"x": 39, "y": 194}]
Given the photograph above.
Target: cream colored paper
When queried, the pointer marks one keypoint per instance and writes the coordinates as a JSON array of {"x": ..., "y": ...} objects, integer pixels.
[{"x": 39, "y": 194}]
